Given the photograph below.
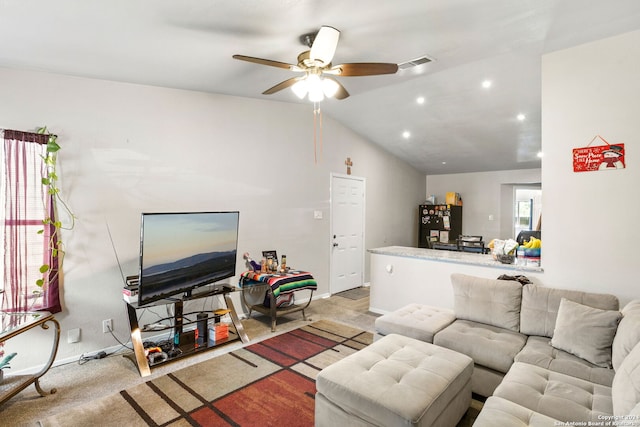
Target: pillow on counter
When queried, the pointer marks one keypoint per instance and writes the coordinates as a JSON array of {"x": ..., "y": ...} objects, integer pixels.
[{"x": 586, "y": 332}]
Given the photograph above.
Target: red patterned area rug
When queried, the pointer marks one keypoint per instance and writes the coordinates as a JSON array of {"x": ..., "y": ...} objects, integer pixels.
[{"x": 269, "y": 383}]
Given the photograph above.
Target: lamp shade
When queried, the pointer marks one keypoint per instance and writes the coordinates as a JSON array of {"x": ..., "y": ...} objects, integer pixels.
[
  {"x": 329, "y": 87},
  {"x": 314, "y": 84},
  {"x": 300, "y": 88}
]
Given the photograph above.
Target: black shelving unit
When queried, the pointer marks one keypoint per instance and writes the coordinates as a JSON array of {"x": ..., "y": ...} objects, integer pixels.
[{"x": 437, "y": 218}]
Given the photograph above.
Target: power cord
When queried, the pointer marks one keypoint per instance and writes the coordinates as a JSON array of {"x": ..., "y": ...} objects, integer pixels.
[
  {"x": 84, "y": 359},
  {"x": 102, "y": 354},
  {"x": 124, "y": 345}
]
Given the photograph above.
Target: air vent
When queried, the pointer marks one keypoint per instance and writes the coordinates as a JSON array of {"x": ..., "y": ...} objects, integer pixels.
[{"x": 414, "y": 62}]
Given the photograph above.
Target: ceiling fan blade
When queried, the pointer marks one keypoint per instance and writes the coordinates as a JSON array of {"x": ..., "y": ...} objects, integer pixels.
[
  {"x": 267, "y": 62},
  {"x": 324, "y": 45},
  {"x": 363, "y": 69},
  {"x": 282, "y": 85}
]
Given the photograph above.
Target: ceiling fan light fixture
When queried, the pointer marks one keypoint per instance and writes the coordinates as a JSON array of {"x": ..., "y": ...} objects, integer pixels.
[
  {"x": 330, "y": 87},
  {"x": 300, "y": 88},
  {"x": 315, "y": 93},
  {"x": 316, "y": 87}
]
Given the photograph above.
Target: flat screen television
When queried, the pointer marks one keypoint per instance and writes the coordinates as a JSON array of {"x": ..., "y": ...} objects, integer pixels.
[{"x": 182, "y": 251}]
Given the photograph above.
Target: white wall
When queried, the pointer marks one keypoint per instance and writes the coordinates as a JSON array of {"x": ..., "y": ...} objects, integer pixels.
[
  {"x": 590, "y": 218},
  {"x": 484, "y": 194},
  {"x": 130, "y": 148}
]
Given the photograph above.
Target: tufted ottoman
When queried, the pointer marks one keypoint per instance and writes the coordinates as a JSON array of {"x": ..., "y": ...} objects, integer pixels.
[{"x": 396, "y": 381}]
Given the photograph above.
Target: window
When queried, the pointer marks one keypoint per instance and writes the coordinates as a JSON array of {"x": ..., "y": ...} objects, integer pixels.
[
  {"x": 527, "y": 209},
  {"x": 24, "y": 203}
]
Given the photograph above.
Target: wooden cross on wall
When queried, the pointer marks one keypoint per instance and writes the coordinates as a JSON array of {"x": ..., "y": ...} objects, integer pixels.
[{"x": 349, "y": 163}]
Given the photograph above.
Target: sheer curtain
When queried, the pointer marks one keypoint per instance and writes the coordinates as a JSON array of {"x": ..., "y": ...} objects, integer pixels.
[{"x": 24, "y": 203}]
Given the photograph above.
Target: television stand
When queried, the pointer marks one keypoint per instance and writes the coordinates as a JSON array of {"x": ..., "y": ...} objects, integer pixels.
[{"x": 183, "y": 340}]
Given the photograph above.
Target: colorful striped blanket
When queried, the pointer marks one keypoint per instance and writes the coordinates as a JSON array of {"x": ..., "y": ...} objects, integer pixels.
[{"x": 280, "y": 283}]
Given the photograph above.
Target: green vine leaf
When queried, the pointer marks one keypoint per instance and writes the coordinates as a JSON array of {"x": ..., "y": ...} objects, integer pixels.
[
  {"x": 52, "y": 146},
  {"x": 44, "y": 268}
]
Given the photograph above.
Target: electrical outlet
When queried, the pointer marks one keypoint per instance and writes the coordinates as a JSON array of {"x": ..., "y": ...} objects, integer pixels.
[
  {"x": 73, "y": 335},
  {"x": 107, "y": 325}
]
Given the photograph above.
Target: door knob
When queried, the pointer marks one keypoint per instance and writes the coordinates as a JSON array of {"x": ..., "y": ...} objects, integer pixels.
[{"x": 335, "y": 244}]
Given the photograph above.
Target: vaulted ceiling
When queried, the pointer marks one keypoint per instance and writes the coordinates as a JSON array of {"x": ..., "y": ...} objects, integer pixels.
[{"x": 460, "y": 127}]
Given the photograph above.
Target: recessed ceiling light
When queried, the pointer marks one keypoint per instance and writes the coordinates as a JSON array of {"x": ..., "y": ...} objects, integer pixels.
[
  {"x": 420, "y": 100},
  {"x": 444, "y": 163},
  {"x": 406, "y": 134},
  {"x": 521, "y": 117},
  {"x": 486, "y": 84}
]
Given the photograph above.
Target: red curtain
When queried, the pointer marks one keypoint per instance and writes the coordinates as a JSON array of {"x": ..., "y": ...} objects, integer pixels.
[{"x": 26, "y": 203}]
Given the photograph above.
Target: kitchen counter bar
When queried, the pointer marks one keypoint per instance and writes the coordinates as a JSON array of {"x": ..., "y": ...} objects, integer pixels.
[
  {"x": 401, "y": 275},
  {"x": 453, "y": 256}
]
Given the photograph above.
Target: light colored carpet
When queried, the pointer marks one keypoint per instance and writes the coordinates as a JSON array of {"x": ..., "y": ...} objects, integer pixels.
[
  {"x": 78, "y": 384},
  {"x": 269, "y": 383}
]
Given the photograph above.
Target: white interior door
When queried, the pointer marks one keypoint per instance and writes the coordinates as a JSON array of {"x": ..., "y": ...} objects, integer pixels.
[{"x": 347, "y": 232}]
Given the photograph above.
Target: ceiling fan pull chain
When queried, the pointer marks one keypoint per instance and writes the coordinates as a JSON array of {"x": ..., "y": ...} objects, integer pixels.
[
  {"x": 317, "y": 131},
  {"x": 320, "y": 119}
]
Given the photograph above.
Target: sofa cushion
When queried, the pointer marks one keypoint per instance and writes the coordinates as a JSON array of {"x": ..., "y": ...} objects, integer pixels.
[
  {"x": 628, "y": 333},
  {"x": 499, "y": 412},
  {"x": 625, "y": 390},
  {"x": 487, "y": 345},
  {"x": 539, "y": 351},
  {"x": 490, "y": 301},
  {"x": 585, "y": 331},
  {"x": 555, "y": 395},
  {"x": 540, "y": 307},
  {"x": 416, "y": 321}
]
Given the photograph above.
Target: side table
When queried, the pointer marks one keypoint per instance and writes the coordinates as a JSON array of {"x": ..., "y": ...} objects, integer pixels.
[
  {"x": 14, "y": 324},
  {"x": 275, "y": 285}
]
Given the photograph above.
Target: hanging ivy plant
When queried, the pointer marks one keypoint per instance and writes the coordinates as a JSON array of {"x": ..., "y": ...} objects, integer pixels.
[{"x": 51, "y": 180}]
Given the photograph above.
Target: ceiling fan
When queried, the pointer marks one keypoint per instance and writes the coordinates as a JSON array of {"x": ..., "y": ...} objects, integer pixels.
[{"x": 315, "y": 64}]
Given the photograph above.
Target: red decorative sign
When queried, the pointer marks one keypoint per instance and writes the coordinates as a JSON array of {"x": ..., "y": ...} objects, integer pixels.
[{"x": 601, "y": 157}]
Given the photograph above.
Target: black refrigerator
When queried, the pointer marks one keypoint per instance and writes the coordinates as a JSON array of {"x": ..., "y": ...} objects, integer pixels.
[{"x": 443, "y": 222}]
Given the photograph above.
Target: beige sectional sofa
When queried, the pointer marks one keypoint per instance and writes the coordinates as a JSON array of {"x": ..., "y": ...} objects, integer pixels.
[{"x": 543, "y": 356}]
